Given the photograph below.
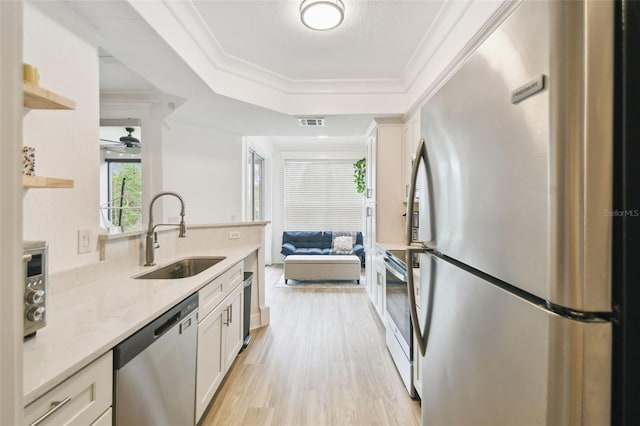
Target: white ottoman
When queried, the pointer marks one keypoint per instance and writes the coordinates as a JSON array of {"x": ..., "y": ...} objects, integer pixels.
[{"x": 322, "y": 267}]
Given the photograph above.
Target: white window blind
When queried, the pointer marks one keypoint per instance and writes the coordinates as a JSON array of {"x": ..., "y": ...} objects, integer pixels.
[{"x": 320, "y": 195}]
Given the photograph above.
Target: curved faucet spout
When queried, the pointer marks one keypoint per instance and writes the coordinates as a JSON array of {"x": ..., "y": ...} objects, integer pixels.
[{"x": 151, "y": 241}]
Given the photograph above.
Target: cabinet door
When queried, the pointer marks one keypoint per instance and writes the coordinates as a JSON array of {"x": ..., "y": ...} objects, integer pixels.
[
  {"x": 233, "y": 330},
  {"x": 406, "y": 158},
  {"x": 370, "y": 176},
  {"x": 417, "y": 365},
  {"x": 381, "y": 276},
  {"x": 369, "y": 275},
  {"x": 210, "y": 366},
  {"x": 410, "y": 141}
]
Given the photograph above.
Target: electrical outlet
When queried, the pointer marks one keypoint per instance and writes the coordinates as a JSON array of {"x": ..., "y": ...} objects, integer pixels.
[
  {"x": 234, "y": 235},
  {"x": 85, "y": 242}
]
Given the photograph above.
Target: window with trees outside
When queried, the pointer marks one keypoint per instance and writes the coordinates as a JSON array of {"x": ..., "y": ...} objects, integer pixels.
[
  {"x": 125, "y": 193},
  {"x": 120, "y": 175},
  {"x": 255, "y": 186}
]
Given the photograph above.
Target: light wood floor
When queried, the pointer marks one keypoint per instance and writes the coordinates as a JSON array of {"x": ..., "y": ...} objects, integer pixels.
[{"x": 321, "y": 361}]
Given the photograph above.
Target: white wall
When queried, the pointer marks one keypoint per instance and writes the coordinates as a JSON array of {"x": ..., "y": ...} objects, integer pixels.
[
  {"x": 11, "y": 266},
  {"x": 65, "y": 141},
  {"x": 291, "y": 147},
  {"x": 205, "y": 167}
]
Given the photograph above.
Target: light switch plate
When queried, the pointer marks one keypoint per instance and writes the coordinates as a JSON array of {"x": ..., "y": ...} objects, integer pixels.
[{"x": 85, "y": 242}]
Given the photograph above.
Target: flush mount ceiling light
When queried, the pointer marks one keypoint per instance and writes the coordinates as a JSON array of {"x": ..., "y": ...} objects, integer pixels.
[{"x": 322, "y": 15}]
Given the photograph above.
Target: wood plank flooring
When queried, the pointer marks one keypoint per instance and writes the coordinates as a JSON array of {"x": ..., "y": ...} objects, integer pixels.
[{"x": 321, "y": 361}]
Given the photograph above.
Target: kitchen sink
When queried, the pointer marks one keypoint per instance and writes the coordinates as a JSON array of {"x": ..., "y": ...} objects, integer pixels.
[{"x": 183, "y": 268}]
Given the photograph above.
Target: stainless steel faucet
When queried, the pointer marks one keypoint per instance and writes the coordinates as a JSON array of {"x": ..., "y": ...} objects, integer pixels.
[{"x": 152, "y": 236}]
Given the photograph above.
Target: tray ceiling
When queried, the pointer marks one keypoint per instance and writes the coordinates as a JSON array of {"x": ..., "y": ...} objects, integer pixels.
[
  {"x": 376, "y": 40},
  {"x": 384, "y": 60}
]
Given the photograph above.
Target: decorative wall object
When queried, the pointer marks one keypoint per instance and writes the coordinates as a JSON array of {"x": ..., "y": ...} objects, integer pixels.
[{"x": 28, "y": 161}]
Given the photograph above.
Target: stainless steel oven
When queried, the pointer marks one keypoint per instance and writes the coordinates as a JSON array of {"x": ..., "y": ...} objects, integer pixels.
[{"x": 399, "y": 331}]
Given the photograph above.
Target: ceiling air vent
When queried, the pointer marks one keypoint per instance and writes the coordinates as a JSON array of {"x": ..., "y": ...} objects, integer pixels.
[{"x": 311, "y": 121}]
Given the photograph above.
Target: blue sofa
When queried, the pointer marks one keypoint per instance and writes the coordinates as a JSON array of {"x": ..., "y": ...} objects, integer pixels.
[{"x": 316, "y": 242}]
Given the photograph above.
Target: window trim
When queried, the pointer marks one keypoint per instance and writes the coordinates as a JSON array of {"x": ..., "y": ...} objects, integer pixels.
[{"x": 251, "y": 157}]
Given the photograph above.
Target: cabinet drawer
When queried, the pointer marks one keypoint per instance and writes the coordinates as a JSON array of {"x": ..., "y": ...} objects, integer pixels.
[
  {"x": 212, "y": 294},
  {"x": 79, "y": 400},
  {"x": 209, "y": 297},
  {"x": 234, "y": 277}
]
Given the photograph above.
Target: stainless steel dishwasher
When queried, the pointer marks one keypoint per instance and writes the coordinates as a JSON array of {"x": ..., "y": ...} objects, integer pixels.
[{"x": 155, "y": 371}]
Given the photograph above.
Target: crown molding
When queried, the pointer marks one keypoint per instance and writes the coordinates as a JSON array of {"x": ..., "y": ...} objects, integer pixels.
[
  {"x": 442, "y": 27},
  {"x": 454, "y": 34},
  {"x": 423, "y": 92},
  {"x": 188, "y": 17}
]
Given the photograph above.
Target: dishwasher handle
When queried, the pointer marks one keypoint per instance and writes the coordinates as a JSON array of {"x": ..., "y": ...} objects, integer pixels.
[
  {"x": 131, "y": 347},
  {"x": 163, "y": 328}
]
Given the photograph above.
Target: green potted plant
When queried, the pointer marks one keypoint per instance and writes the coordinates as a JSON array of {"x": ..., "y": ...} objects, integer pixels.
[{"x": 359, "y": 173}]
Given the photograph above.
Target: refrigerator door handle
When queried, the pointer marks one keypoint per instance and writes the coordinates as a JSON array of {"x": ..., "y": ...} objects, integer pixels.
[
  {"x": 421, "y": 154},
  {"x": 421, "y": 334}
]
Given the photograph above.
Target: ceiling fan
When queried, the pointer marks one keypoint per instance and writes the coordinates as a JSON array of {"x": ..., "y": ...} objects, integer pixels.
[{"x": 128, "y": 143}]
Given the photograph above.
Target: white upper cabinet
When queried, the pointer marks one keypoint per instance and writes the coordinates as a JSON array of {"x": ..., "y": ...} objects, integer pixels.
[{"x": 411, "y": 138}]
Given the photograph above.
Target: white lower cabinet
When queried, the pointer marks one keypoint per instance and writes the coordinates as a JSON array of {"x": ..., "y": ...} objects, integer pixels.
[
  {"x": 210, "y": 359},
  {"x": 417, "y": 358},
  {"x": 233, "y": 331},
  {"x": 83, "y": 399},
  {"x": 378, "y": 294},
  {"x": 417, "y": 366},
  {"x": 219, "y": 341}
]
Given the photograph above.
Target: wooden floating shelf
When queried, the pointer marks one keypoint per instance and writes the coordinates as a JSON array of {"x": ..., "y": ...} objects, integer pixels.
[
  {"x": 45, "y": 182},
  {"x": 38, "y": 98}
]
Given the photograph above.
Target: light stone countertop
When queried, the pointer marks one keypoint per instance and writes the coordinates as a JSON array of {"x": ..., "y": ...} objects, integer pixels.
[
  {"x": 396, "y": 246},
  {"x": 86, "y": 321}
]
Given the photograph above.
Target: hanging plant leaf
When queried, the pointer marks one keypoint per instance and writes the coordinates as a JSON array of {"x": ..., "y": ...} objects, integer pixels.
[{"x": 359, "y": 174}]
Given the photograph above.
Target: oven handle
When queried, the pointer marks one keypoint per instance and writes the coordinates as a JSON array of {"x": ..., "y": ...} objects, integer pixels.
[
  {"x": 421, "y": 335},
  {"x": 399, "y": 275}
]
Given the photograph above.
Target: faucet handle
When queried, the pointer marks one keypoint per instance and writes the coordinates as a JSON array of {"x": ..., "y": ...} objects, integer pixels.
[
  {"x": 183, "y": 228},
  {"x": 156, "y": 244}
]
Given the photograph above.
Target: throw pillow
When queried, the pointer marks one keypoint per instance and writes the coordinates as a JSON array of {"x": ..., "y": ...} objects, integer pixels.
[{"x": 343, "y": 243}]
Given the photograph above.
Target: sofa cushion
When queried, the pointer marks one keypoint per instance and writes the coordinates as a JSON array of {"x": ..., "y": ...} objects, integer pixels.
[
  {"x": 288, "y": 249},
  {"x": 327, "y": 239},
  {"x": 303, "y": 239},
  {"x": 312, "y": 251},
  {"x": 358, "y": 249}
]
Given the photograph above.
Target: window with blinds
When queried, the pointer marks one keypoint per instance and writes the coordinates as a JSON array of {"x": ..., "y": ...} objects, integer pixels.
[{"x": 321, "y": 195}]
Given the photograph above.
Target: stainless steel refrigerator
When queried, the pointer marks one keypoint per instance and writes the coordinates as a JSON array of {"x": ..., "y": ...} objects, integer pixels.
[{"x": 514, "y": 175}]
